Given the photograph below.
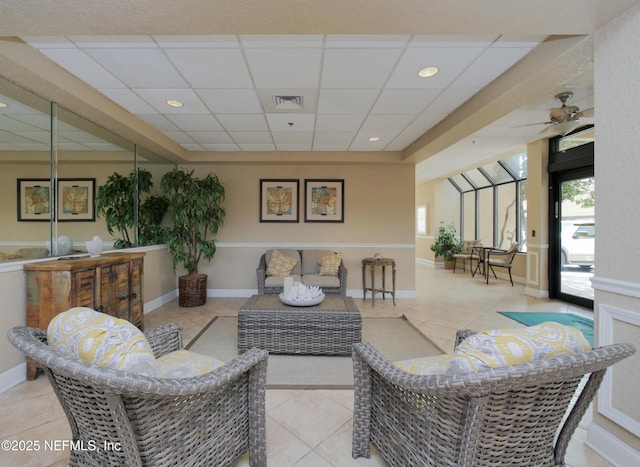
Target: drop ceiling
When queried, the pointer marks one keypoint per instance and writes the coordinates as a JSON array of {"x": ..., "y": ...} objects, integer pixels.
[
  {"x": 352, "y": 87},
  {"x": 352, "y": 65}
]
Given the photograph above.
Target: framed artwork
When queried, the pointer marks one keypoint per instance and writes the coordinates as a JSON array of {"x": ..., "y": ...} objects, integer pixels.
[
  {"x": 324, "y": 200},
  {"x": 279, "y": 200},
  {"x": 34, "y": 199},
  {"x": 76, "y": 199}
]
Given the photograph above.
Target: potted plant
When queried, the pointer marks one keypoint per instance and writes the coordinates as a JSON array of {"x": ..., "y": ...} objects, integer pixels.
[
  {"x": 196, "y": 213},
  {"x": 446, "y": 244},
  {"x": 116, "y": 203}
]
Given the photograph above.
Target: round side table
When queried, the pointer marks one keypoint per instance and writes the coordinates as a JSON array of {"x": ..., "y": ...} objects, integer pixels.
[{"x": 372, "y": 263}]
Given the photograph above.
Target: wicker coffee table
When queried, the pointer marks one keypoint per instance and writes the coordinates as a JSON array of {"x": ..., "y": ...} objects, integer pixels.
[{"x": 329, "y": 328}]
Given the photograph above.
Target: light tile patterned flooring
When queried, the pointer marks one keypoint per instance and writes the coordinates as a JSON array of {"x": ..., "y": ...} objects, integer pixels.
[{"x": 307, "y": 427}]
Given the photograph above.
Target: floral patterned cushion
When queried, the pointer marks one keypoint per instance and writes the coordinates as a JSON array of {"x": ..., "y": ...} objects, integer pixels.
[
  {"x": 502, "y": 347},
  {"x": 280, "y": 265},
  {"x": 186, "y": 364},
  {"x": 103, "y": 340}
]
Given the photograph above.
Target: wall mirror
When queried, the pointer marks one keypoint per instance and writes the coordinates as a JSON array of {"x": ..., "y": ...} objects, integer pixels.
[{"x": 52, "y": 164}]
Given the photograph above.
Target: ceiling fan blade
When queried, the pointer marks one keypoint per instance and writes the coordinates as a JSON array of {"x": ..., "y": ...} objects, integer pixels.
[
  {"x": 532, "y": 124},
  {"x": 588, "y": 113}
]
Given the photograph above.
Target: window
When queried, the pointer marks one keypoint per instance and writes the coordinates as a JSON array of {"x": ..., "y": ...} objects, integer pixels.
[
  {"x": 421, "y": 220},
  {"x": 493, "y": 202}
]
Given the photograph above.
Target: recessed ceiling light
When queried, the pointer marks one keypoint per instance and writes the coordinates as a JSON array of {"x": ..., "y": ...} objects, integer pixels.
[
  {"x": 3, "y": 105},
  {"x": 174, "y": 103},
  {"x": 428, "y": 71},
  {"x": 373, "y": 139}
]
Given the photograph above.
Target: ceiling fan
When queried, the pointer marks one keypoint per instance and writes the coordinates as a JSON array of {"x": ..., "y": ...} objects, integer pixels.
[{"x": 564, "y": 119}]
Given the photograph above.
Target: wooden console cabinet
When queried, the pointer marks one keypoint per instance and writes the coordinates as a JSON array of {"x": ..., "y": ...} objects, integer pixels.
[{"x": 111, "y": 283}]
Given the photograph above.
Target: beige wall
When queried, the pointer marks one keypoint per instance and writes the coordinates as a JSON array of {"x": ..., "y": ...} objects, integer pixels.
[
  {"x": 616, "y": 278},
  {"x": 378, "y": 217}
]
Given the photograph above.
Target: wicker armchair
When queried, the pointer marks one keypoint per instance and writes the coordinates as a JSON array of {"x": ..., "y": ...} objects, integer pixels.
[
  {"x": 506, "y": 416},
  {"x": 126, "y": 419}
]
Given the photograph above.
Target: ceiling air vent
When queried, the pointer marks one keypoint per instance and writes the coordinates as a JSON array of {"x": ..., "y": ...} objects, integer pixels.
[{"x": 288, "y": 103}]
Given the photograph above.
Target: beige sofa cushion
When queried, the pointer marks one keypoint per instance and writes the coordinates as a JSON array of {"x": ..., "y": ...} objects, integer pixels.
[{"x": 311, "y": 260}]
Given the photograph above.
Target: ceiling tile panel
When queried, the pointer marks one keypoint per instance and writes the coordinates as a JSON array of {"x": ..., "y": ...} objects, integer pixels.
[
  {"x": 346, "y": 101},
  {"x": 281, "y": 41},
  {"x": 358, "y": 68},
  {"x": 284, "y": 67},
  {"x": 387, "y": 123},
  {"x": 197, "y": 41},
  {"x": 257, "y": 147},
  {"x": 195, "y": 122},
  {"x": 139, "y": 68},
  {"x": 338, "y": 123},
  {"x": 129, "y": 100},
  {"x": 210, "y": 137},
  {"x": 491, "y": 64},
  {"x": 450, "y": 61},
  {"x": 251, "y": 137},
  {"x": 297, "y": 137},
  {"x": 291, "y": 122},
  {"x": 248, "y": 122},
  {"x": 211, "y": 68},
  {"x": 375, "y": 41},
  {"x": 84, "y": 67},
  {"x": 230, "y": 101},
  {"x": 157, "y": 98},
  {"x": 404, "y": 101}
]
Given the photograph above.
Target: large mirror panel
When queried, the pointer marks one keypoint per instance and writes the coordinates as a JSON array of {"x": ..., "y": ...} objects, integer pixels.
[{"x": 53, "y": 164}]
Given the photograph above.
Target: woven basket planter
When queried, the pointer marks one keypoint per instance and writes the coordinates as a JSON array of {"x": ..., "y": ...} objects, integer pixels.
[{"x": 192, "y": 290}]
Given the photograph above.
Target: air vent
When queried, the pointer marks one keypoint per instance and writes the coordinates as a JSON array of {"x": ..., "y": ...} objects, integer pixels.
[{"x": 287, "y": 103}]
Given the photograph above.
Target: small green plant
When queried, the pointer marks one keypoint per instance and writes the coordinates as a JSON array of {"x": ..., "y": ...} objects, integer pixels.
[
  {"x": 446, "y": 243},
  {"x": 196, "y": 213},
  {"x": 115, "y": 203}
]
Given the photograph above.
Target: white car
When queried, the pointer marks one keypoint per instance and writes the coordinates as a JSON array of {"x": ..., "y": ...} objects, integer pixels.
[{"x": 578, "y": 238}]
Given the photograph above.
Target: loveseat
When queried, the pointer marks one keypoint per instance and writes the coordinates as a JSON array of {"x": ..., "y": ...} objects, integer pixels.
[{"x": 310, "y": 268}]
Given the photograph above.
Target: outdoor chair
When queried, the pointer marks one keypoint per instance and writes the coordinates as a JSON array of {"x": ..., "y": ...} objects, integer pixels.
[
  {"x": 500, "y": 416},
  {"x": 500, "y": 259},
  {"x": 134, "y": 420},
  {"x": 467, "y": 253}
]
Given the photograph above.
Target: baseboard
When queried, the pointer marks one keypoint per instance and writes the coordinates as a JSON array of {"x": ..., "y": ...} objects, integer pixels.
[
  {"x": 231, "y": 293},
  {"x": 611, "y": 448},
  {"x": 13, "y": 376},
  {"x": 158, "y": 302}
]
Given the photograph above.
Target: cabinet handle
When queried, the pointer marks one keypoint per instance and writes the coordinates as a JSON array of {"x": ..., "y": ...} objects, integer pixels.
[{"x": 134, "y": 295}]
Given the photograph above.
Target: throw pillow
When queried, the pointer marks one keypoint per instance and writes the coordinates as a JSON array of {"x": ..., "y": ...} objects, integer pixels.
[
  {"x": 103, "y": 340},
  {"x": 504, "y": 347},
  {"x": 280, "y": 265},
  {"x": 329, "y": 265},
  {"x": 437, "y": 365},
  {"x": 186, "y": 364}
]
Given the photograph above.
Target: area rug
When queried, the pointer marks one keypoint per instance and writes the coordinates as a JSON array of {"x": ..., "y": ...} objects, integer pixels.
[
  {"x": 584, "y": 325},
  {"x": 396, "y": 338}
]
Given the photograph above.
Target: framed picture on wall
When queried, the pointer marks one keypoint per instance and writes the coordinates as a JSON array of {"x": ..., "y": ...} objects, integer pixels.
[
  {"x": 34, "y": 199},
  {"x": 279, "y": 200},
  {"x": 76, "y": 199},
  {"x": 324, "y": 200}
]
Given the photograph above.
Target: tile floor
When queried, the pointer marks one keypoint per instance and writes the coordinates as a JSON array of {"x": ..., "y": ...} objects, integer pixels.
[{"x": 306, "y": 427}]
